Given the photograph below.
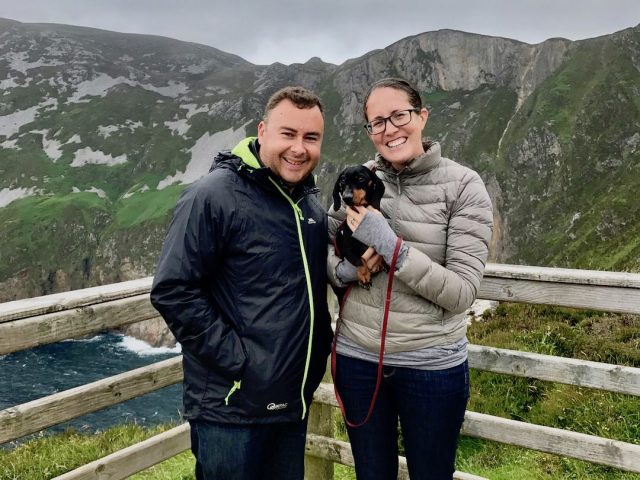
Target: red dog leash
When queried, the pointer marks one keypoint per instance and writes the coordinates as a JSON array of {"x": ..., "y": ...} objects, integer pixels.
[{"x": 383, "y": 335}]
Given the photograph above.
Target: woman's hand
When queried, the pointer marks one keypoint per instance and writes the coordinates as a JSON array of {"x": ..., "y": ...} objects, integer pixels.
[
  {"x": 371, "y": 228},
  {"x": 355, "y": 215},
  {"x": 374, "y": 260}
]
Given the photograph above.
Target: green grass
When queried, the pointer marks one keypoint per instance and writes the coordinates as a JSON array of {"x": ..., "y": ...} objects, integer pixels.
[
  {"x": 30, "y": 224},
  {"x": 48, "y": 456},
  {"x": 180, "y": 467},
  {"x": 151, "y": 206}
]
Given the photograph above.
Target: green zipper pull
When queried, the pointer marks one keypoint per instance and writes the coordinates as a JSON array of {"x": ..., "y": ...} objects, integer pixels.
[
  {"x": 236, "y": 386},
  {"x": 298, "y": 210}
]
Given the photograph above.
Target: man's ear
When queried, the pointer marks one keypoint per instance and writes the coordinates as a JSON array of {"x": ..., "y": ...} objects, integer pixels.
[
  {"x": 377, "y": 191},
  {"x": 261, "y": 128},
  {"x": 337, "y": 189}
]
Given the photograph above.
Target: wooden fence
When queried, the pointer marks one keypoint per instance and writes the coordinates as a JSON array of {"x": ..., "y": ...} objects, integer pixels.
[{"x": 38, "y": 321}]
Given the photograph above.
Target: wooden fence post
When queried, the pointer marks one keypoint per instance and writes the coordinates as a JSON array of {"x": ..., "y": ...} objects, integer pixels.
[{"x": 320, "y": 423}]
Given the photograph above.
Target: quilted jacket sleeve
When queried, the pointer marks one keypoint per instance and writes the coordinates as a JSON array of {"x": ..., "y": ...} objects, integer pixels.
[{"x": 454, "y": 285}]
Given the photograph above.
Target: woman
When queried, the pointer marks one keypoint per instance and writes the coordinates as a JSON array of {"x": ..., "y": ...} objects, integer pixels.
[{"x": 443, "y": 214}]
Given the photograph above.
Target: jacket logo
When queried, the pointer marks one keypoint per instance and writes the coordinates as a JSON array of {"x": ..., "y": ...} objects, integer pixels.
[
  {"x": 277, "y": 406},
  {"x": 311, "y": 221}
]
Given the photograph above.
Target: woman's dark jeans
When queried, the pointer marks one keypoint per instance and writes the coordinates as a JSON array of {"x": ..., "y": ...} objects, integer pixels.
[
  {"x": 273, "y": 451},
  {"x": 430, "y": 404}
]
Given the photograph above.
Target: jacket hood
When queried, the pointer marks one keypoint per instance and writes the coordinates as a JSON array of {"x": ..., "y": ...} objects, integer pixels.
[{"x": 245, "y": 152}]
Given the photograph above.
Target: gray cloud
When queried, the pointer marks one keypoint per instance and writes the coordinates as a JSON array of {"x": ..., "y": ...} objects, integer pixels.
[{"x": 293, "y": 31}]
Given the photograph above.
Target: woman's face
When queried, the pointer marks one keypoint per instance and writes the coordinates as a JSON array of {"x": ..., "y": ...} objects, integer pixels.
[{"x": 398, "y": 145}]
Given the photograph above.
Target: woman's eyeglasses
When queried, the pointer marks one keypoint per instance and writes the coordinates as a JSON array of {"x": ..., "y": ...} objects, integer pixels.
[{"x": 397, "y": 119}]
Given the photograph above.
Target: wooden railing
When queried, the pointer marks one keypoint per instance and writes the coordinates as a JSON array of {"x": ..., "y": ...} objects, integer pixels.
[{"x": 37, "y": 321}]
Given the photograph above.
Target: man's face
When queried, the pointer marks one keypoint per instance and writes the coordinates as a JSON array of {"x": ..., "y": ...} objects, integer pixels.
[{"x": 290, "y": 140}]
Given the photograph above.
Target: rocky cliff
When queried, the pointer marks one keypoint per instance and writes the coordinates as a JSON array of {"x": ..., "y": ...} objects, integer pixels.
[{"x": 101, "y": 131}]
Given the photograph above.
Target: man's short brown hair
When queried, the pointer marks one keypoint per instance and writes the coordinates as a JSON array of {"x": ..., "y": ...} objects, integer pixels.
[{"x": 299, "y": 96}]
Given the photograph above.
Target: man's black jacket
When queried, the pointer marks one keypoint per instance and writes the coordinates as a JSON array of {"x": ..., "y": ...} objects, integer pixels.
[{"x": 241, "y": 283}]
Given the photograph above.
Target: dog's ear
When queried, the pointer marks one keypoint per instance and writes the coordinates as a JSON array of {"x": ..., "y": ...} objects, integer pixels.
[
  {"x": 377, "y": 191},
  {"x": 337, "y": 189}
]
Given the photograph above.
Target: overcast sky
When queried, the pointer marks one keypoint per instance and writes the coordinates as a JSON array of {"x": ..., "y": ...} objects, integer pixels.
[{"x": 266, "y": 31}]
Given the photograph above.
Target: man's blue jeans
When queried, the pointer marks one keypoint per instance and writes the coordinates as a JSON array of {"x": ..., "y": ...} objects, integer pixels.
[
  {"x": 272, "y": 451},
  {"x": 430, "y": 404}
]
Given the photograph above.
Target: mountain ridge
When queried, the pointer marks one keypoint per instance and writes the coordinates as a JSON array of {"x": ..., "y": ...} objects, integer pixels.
[{"x": 98, "y": 138}]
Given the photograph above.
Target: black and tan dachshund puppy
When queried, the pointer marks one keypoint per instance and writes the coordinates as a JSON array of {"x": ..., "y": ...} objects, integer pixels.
[{"x": 356, "y": 186}]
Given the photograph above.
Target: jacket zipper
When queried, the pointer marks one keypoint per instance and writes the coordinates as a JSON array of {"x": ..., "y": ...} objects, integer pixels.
[
  {"x": 297, "y": 213},
  {"x": 236, "y": 386}
]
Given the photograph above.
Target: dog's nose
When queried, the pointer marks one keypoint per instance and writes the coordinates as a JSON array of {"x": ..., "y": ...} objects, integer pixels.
[{"x": 347, "y": 197}]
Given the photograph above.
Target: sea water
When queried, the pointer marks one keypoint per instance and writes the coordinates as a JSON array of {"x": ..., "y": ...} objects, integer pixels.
[{"x": 31, "y": 374}]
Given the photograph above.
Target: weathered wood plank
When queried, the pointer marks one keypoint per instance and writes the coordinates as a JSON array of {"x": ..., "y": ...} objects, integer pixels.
[
  {"x": 340, "y": 452},
  {"x": 563, "y": 275},
  {"x": 320, "y": 423},
  {"x": 582, "y": 373},
  {"x": 36, "y": 415},
  {"x": 613, "y": 453},
  {"x": 324, "y": 394},
  {"x": 625, "y": 456},
  {"x": 135, "y": 458},
  {"x": 53, "y": 327},
  {"x": 29, "y": 332},
  {"x": 88, "y": 296},
  {"x": 30, "y": 307},
  {"x": 595, "y": 297}
]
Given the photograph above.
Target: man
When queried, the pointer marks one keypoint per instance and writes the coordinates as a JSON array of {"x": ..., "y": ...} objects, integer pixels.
[{"x": 241, "y": 282}]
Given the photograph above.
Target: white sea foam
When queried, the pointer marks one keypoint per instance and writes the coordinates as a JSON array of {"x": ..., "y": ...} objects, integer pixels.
[
  {"x": 143, "y": 349},
  {"x": 201, "y": 155},
  {"x": 97, "y": 338}
]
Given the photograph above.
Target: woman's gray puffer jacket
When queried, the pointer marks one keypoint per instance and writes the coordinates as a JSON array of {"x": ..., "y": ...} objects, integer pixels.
[{"x": 443, "y": 212}]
